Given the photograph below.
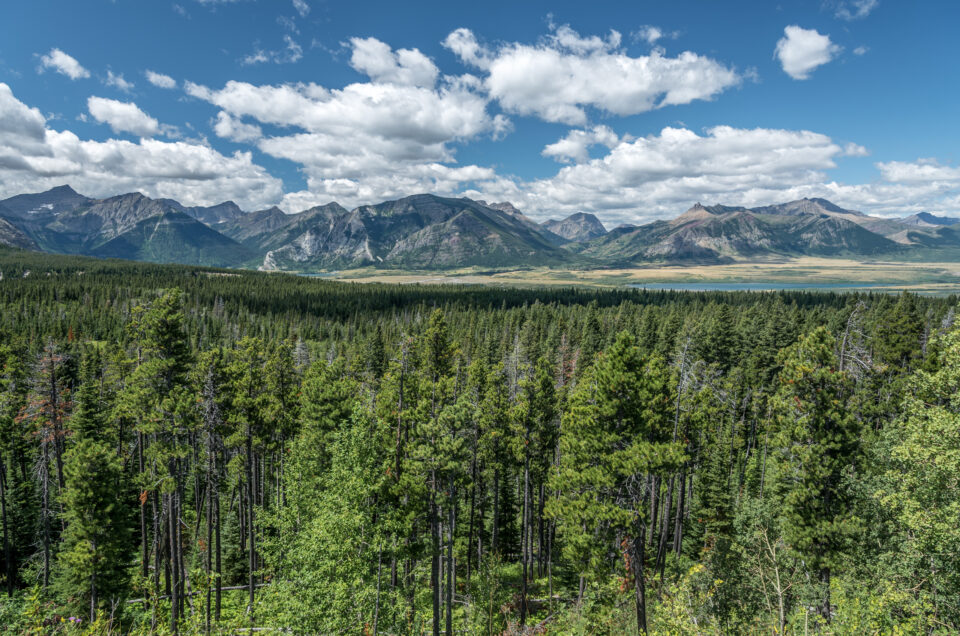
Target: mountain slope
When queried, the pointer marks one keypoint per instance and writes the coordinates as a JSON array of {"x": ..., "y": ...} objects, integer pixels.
[
  {"x": 12, "y": 236},
  {"x": 422, "y": 231},
  {"x": 805, "y": 207},
  {"x": 214, "y": 214},
  {"x": 925, "y": 219},
  {"x": 174, "y": 237},
  {"x": 86, "y": 228},
  {"x": 130, "y": 226},
  {"x": 426, "y": 231},
  {"x": 44, "y": 204},
  {"x": 718, "y": 233},
  {"x": 248, "y": 228},
  {"x": 576, "y": 227}
]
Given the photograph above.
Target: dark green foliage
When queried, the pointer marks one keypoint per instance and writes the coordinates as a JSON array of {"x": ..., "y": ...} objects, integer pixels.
[
  {"x": 818, "y": 443},
  {"x": 397, "y": 459},
  {"x": 93, "y": 563}
]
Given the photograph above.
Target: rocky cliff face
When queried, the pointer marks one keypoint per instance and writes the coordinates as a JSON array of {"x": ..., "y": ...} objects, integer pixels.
[
  {"x": 11, "y": 236},
  {"x": 174, "y": 237},
  {"x": 421, "y": 231},
  {"x": 105, "y": 219},
  {"x": 925, "y": 219},
  {"x": 576, "y": 227},
  {"x": 44, "y": 204},
  {"x": 130, "y": 226},
  {"x": 215, "y": 214},
  {"x": 327, "y": 241},
  {"x": 721, "y": 233},
  {"x": 430, "y": 232}
]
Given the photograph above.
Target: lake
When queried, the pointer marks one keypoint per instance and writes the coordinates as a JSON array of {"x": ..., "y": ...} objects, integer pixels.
[{"x": 768, "y": 286}]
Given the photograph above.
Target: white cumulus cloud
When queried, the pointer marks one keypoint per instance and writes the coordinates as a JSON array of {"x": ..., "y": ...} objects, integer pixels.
[
  {"x": 117, "y": 81},
  {"x": 855, "y": 9},
  {"x": 800, "y": 51},
  {"x": 33, "y": 157},
  {"x": 302, "y": 7},
  {"x": 557, "y": 78},
  {"x": 291, "y": 53},
  {"x": 653, "y": 34},
  {"x": 160, "y": 80},
  {"x": 855, "y": 150},
  {"x": 234, "y": 129},
  {"x": 389, "y": 136},
  {"x": 661, "y": 175},
  {"x": 575, "y": 146},
  {"x": 64, "y": 64},
  {"x": 920, "y": 171},
  {"x": 658, "y": 175},
  {"x": 122, "y": 116},
  {"x": 377, "y": 60}
]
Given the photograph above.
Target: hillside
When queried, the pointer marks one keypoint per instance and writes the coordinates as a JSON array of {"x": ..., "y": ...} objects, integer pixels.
[
  {"x": 429, "y": 232},
  {"x": 420, "y": 231},
  {"x": 576, "y": 227},
  {"x": 716, "y": 234},
  {"x": 174, "y": 237},
  {"x": 12, "y": 236}
]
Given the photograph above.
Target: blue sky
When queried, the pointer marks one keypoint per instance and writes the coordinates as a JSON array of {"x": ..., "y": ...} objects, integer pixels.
[{"x": 632, "y": 110}]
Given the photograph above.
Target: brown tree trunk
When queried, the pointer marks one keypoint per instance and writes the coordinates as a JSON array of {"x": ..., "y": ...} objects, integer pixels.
[
  {"x": 7, "y": 559},
  {"x": 524, "y": 541},
  {"x": 252, "y": 560},
  {"x": 174, "y": 568},
  {"x": 45, "y": 485},
  {"x": 495, "y": 539},
  {"x": 654, "y": 507},
  {"x": 473, "y": 499},
  {"x": 639, "y": 582},
  {"x": 664, "y": 530},
  {"x": 451, "y": 566},
  {"x": 144, "y": 552},
  {"x": 209, "y": 555},
  {"x": 825, "y": 604},
  {"x": 93, "y": 589},
  {"x": 678, "y": 520},
  {"x": 218, "y": 578},
  {"x": 434, "y": 558}
]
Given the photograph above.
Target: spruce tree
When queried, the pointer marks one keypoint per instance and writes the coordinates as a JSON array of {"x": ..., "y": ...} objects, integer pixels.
[
  {"x": 818, "y": 444},
  {"x": 93, "y": 562},
  {"x": 615, "y": 440}
]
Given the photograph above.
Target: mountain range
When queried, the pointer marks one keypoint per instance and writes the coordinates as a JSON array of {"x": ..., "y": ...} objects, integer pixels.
[{"x": 425, "y": 231}]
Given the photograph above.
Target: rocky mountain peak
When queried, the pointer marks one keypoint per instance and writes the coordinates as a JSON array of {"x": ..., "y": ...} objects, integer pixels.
[
  {"x": 503, "y": 206},
  {"x": 579, "y": 226}
]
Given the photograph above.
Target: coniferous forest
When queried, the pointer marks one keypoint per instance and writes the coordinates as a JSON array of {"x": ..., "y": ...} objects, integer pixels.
[{"x": 192, "y": 451}]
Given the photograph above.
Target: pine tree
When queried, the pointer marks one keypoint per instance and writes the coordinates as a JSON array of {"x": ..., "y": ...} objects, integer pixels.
[
  {"x": 898, "y": 334},
  {"x": 818, "y": 445},
  {"x": 614, "y": 442},
  {"x": 158, "y": 397},
  {"x": 534, "y": 441},
  {"x": 13, "y": 389},
  {"x": 95, "y": 553}
]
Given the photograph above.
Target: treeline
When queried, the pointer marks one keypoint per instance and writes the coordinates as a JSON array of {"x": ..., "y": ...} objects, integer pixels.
[{"x": 201, "y": 451}]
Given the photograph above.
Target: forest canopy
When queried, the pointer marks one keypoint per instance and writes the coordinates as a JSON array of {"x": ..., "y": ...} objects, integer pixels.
[{"x": 191, "y": 450}]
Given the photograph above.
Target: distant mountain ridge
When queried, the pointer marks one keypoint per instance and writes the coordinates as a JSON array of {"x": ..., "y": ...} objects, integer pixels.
[
  {"x": 925, "y": 219},
  {"x": 430, "y": 232},
  {"x": 130, "y": 226},
  {"x": 719, "y": 233},
  {"x": 579, "y": 226},
  {"x": 422, "y": 231}
]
